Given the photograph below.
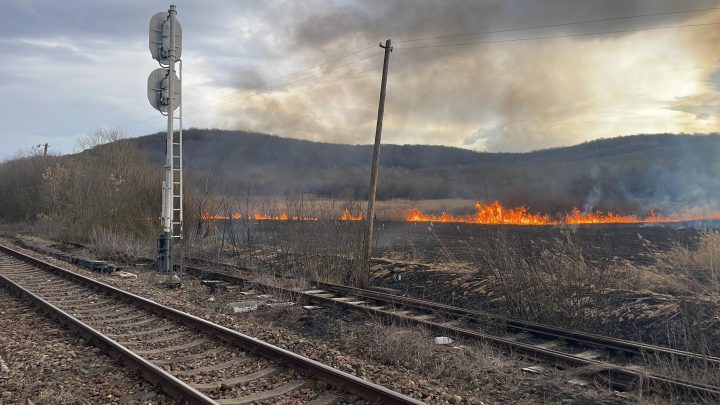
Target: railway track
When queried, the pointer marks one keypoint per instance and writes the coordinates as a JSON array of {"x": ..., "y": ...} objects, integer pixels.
[
  {"x": 34, "y": 347},
  {"x": 188, "y": 357},
  {"x": 625, "y": 365}
]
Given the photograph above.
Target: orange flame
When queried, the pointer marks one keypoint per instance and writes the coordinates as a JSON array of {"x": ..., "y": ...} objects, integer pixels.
[
  {"x": 598, "y": 217},
  {"x": 654, "y": 218},
  {"x": 493, "y": 213},
  {"x": 348, "y": 216},
  {"x": 282, "y": 217},
  {"x": 207, "y": 216}
]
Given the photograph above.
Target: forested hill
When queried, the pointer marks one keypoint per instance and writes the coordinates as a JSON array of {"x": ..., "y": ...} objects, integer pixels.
[{"x": 617, "y": 173}]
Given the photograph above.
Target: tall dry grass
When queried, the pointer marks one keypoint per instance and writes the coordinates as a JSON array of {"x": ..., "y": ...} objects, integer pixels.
[
  {"x": 317, "y": 246},
  {"x": 552, "y": 281},
  {"x": 690, "y": 270},
  {"x": 117, "y": 245}
]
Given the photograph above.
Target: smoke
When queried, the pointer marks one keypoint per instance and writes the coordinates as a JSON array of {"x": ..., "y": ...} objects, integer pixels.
[
  {"x": 595, "y": 192},
  {"x": 510, "y": 96}
]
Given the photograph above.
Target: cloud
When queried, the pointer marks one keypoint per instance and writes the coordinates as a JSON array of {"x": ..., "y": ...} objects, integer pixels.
[
  {"x": 510, "y": 96},
  {"x": 85, "y": 64}
]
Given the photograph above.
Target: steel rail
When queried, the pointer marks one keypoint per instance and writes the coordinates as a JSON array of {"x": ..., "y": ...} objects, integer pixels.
[
  {"x": 585, "y": 338},
  {"x": 588, "y": 339},
  {"x": 152, "y": 373},
  {"x": 332, "y": 376},
  {"x": 620, "y": 375}
]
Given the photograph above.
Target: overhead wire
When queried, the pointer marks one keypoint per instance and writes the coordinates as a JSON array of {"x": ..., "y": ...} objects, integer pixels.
[
  {"x": 494, "y": 41},
  {"x": 533, "y": 27}
]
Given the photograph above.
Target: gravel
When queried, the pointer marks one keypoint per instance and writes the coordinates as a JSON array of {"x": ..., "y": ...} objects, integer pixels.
[{"x": 48, "y": 364}]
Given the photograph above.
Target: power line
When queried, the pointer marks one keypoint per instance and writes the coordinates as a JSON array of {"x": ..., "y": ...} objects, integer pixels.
[
  {"x": 531, "y": 27},
  {"x": 556, "y": 36}
]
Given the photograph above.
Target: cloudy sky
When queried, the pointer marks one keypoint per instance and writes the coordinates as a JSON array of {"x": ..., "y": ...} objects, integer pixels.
[{"x": 70, "y": 66}]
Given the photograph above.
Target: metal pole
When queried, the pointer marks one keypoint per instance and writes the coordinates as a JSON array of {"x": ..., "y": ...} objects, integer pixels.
[
  {"x": 364, "y": 276},
  {"x": 168, "y": 212},
  {"x": 181, "y": 174}
]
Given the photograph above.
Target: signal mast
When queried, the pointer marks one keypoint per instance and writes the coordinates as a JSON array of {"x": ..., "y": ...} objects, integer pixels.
[{"x": 164, "y": 91}]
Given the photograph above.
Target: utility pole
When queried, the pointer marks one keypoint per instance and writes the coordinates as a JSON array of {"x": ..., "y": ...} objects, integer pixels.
[
  {"x": 45, "y": 148},
  {"x": 365, "y": 271}
]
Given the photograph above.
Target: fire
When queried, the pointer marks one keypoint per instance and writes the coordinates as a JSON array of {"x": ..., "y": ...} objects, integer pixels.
[
  {"x": 207, "y": 216},
  {"x": 599, "y": 217},
  {"x": 282, "y": 217},
  {"x": 654, "y": 218},
  {"x": 496, "y": 214},
  {"x": 493, "y": 213},
  {"x": 348, "y": 216}
]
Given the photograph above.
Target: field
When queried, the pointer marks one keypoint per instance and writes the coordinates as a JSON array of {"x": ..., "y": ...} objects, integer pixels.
[
  {"x": 446, "y": 241},
  {"x": 630, "y": 281}
]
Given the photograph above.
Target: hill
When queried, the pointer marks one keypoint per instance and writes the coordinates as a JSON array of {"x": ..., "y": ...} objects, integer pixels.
[{"x": 626, "y": 173}]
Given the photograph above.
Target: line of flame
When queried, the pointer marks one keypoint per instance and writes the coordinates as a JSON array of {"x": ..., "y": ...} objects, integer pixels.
[
  {"x": 495, "y": 214},
  {"x": 346, "y": 216}
]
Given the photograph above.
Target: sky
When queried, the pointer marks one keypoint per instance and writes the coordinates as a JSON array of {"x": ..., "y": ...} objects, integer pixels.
[{"x": 312, "y": 69}]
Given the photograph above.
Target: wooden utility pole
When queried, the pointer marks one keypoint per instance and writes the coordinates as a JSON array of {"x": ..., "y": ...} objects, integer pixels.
[
  {"x": 365, "y": 270},
  {"x": 45, "y": 148}
]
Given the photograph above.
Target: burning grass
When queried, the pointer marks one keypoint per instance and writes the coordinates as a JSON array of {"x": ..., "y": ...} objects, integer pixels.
[
  {"x": 301, "y": 237},
  {"x": 493, "y": 213},
  {"x": 496, "y": 214}
]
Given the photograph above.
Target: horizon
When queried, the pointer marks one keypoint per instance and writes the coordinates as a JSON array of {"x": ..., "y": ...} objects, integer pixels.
[
  {"x": 240, "y": 131},
  {"x": 79, "y": 149}
]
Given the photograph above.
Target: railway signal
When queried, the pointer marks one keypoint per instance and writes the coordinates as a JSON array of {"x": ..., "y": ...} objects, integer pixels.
[{"x": 164, "y": 91}]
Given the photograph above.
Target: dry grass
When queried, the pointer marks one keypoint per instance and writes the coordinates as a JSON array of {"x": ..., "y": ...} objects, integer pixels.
[
  {"x": 322, "y": 248},
  {"x": 555, "y": 282},
  {"x": 108, "y": 244},
  {"x": 331, "y": 208},
  {"x": 414, "y": 349},
  {"x": 397, "y": 209},
  {"x": 688, "y": 271},
  {"x": 688, "y": 278}
]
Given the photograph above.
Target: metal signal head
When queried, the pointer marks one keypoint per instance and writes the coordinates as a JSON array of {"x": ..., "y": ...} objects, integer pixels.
[
  {"x": 159, "y": 37},
  {"x": 157, "y": 90}
]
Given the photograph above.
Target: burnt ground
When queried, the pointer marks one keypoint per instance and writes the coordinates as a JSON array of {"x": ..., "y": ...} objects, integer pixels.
[
  {"x": 443, "y": 241},
  {"x": 446, "y": 241}
]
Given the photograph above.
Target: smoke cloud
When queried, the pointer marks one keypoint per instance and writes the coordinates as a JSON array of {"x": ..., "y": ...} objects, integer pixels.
[{"x": 504, "y": 96}]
